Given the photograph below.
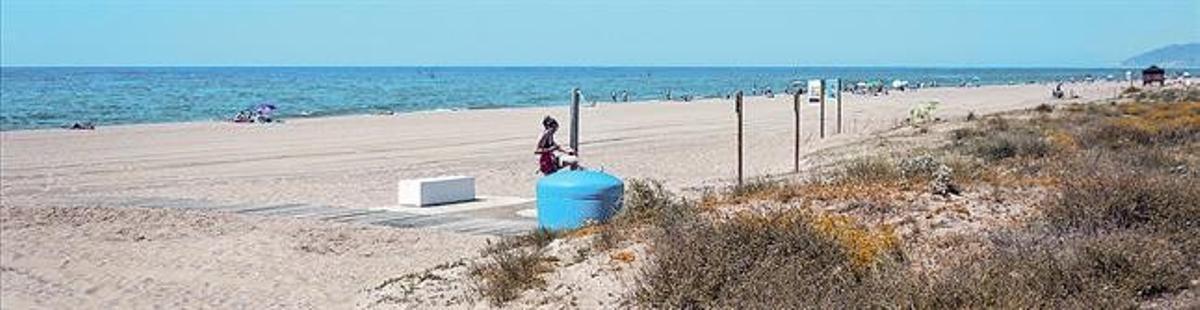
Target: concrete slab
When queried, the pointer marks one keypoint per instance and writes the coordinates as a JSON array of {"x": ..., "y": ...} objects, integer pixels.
[{"x": 480, "y": 203}]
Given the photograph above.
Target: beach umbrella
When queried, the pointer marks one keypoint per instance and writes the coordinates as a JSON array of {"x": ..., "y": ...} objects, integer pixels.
[{"x": 265, "y": 108}]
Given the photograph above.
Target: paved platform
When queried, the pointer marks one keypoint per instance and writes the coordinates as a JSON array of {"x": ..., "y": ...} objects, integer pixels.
[{"x": 488, "y": 215}]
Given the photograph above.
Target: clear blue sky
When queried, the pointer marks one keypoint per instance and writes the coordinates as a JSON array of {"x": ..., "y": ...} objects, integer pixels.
[{"x": 590, "y": 32}]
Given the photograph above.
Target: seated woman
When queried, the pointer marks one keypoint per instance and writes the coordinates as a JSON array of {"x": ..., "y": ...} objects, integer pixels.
[{"x": 547, "y": 159}]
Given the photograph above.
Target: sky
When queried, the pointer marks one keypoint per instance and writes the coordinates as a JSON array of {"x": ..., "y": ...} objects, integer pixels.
[{"x": 1002, "y": 33}]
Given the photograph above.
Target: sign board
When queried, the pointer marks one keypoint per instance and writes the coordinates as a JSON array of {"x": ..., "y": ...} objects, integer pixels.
[
  {"x": 833, "y": 89},
  {"x": 816, "y": 89}
]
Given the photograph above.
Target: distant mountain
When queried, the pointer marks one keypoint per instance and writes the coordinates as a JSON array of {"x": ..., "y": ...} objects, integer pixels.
[{"x": 1171, "y": 56}]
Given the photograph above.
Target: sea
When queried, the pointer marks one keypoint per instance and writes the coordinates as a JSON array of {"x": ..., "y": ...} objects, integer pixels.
[{"x": 49, "y": 97}]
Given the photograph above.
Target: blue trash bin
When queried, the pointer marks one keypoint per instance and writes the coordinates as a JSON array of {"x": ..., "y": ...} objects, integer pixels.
[{"x": 571, "y": 199}]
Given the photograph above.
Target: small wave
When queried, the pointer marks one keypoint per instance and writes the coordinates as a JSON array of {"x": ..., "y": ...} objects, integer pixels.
[{"x": 491, "y": 106}]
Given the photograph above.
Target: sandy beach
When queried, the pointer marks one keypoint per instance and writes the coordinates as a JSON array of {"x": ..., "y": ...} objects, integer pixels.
[
  {"x": 355, "y": 161},
  {"x": 55, "y": 255}
]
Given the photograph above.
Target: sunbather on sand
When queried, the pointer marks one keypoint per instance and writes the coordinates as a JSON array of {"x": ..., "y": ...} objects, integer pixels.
[
  {"x": 81, "y": 126},
  {"x": 244, "y": 116},
  {"x": 547, "y": 159}
]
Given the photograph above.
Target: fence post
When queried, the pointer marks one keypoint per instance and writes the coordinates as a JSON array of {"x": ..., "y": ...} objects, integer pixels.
[
  {"x": 796, "y": 155},
  {"x": 738, "y": 104},
  {"x": 575, "y": 120},
  {"x": 822, "y": 96},
  {"x": 838, "y": 92}
]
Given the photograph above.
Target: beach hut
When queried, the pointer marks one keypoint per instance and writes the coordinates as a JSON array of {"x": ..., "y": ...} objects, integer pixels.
[{"x": 1154, "y": 74}]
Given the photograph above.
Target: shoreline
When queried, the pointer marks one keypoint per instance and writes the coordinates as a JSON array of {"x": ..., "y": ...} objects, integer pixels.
[{"x": 586, "y": 104}]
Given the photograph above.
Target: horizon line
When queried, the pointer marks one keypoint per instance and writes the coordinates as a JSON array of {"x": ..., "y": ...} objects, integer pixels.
[{"x": 939, "y": 66}]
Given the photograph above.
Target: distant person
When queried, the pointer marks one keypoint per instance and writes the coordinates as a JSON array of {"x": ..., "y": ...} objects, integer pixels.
[
  {"x": 263, "y": 112},
  {"x": 614, "y": 96},
  {"x": 547, "y": 149},
  {"x": 81, "y": 126},
  {"x": 244, "y": 116},
  {"x": 624, "y": 96}
]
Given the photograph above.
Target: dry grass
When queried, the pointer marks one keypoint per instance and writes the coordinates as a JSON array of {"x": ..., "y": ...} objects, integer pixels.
[
  {"x": 1123, "y": 228},
  {"x": 863, "y": 245},
  {"x": 781, "y": 260},
  {"x": 1142, "y": 124},
  {"x": 1105, "y": 196},
  {"x": 1041, "y": 271},
  {"x": 1168, "y": 95},
  {"x": 511, "y": 266}
]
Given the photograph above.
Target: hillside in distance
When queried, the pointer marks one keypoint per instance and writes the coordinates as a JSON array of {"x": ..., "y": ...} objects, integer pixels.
[{"x": 1171, "y": 56}]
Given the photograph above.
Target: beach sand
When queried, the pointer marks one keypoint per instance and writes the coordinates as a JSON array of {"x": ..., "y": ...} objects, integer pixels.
[
  {"x": 58, "y": 256},
  {"x": 355, "y": 161},
  {"x": 127, "y": 258}
]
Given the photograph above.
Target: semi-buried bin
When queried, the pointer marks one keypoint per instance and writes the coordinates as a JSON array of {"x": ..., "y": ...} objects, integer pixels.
[{"x": 571, "y": 199}]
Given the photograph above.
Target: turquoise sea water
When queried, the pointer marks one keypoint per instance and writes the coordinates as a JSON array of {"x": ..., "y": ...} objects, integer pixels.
[{"x": 45, "y": 97}]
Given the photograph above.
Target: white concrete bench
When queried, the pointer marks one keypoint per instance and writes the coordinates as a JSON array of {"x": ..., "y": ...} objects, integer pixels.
[{"x": 436, "y": 191}]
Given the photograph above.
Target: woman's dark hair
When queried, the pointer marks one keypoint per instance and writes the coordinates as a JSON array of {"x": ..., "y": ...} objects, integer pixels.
[{"x": 549, "y": 122}]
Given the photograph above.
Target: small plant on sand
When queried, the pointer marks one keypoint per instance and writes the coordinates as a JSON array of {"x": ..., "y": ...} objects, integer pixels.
[
  {"x": 647, "y": 202},
  {"x": 869, "y": 170},
  {"x": 503, "y": 276},
  {"x": 511, "y": 266},
  {"x": 922, "y": 113},
  {"x": 1010, "y": 144}
]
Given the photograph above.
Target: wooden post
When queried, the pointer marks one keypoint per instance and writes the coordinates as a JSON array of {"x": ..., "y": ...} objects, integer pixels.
[
  {"x": 821, "y": 95},
  {"x": 575, "y": 120},
  {"x": 738, "y": 104},
  {"x": 838, "y": 92},
  {"x": 796, "y": 109}
]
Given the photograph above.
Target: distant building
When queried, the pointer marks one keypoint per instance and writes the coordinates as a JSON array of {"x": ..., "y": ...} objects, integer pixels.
[{"x": 1154, "y": 74}]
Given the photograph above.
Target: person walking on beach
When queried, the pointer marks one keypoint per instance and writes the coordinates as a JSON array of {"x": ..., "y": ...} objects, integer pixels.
[{"x": 547, "y": 159}]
